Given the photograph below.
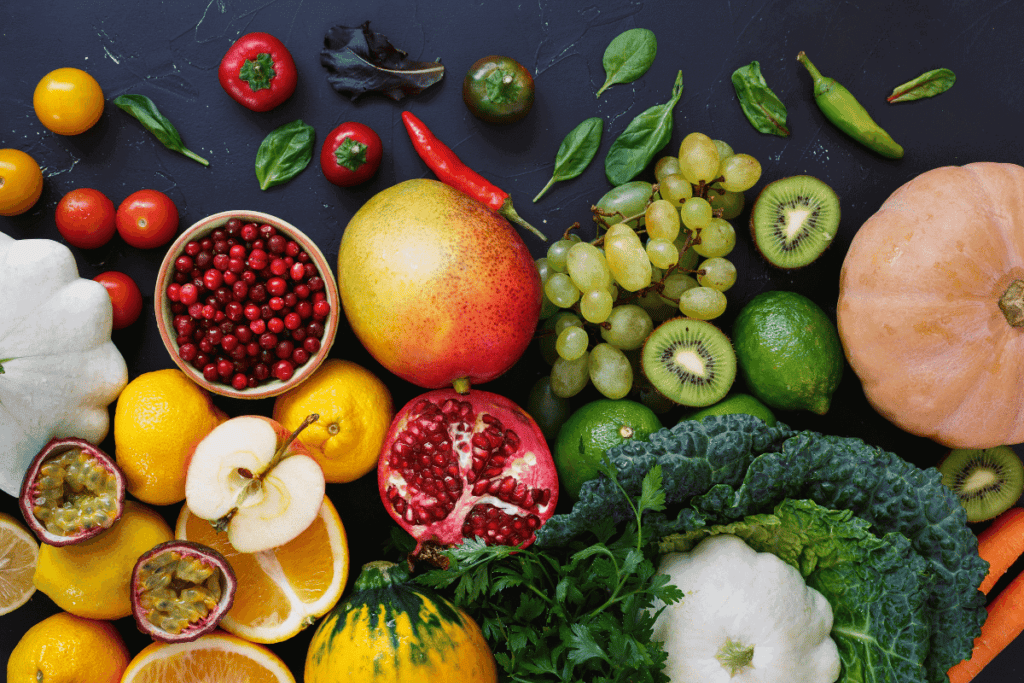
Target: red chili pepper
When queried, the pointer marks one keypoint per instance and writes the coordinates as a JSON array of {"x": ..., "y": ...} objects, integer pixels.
[
  {"x": 452, "y": 171},
  {"x": 258, "y": 72}
]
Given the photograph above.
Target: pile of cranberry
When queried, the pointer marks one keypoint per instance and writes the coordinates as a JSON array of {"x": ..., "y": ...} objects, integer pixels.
[{"x": 249, "y": 305}]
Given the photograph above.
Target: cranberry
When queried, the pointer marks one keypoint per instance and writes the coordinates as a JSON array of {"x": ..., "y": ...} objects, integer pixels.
[
  {"x": 233, "y": 227},
  {"x": 230, "y": 277},
  {"x": 213, "y": 278},
  {"x": 297, "y": 272},
  {"x": 183, "y": 263},
  {"x": 225, "y": 367},
  {"x": 303, "y": 257},
  {"x": 238, "y": 354},
  {"x": 311, "y": 345},
  {"x": 299, "y": 334},
  {"x": 215, "y": 336},
  {"x": 276, "y": 286},
  {"x": 316, "y": 283},
  {"x": 278, "y": 266},
  {"x": 300, "y": 356},
  {"x": 173, "y": 292},
  {"x": 209, "y": 311},
  {"x": 321, "y": 309},
  {"x": 220, "y": 261},
  {"x": 188, "y": 294},
  {"x": 229, "y": 343},
  {"x": 252, "y": 349},
  {"x": 277, "y": 244},
  {"x": 221, "y": 246},
  {"x": 293, "y": 321},
  {"x": 236, "y": 251},
  {"x": 248, "y": 277},
  {"x": 261, "y": 371},
  {"x": 284, "y": 349},
  {"x": 187, "y": 352},
  {"x": 268, "y": 340},
  {"x": 192, "y": 248},
  {"x": 275, "y": 325},
  {"x": 239, "y": 381},
  {"x": 234, "y": 311},
  {"x": 205, "y": 345},
  {"x": 258, "y": 326},
  {"x": 266, "y": 312},
  {"x": 304, "y": 309},
  {"x": 292, "y": 248},
  {"x": 257, "y": 293},
  {"x": 236, "y": 265},
  {"x": 315, "y": 329},
  {"x": 267, "y": 231},
  {"x": 249, "y": 232},
  {"x": 283, "y": 370},
  {"x": 276, "y": 303},
  {"x": 210, "y": 372},
  {"x": 244, "y": 333},
  {"x": 290, "y": 300}
]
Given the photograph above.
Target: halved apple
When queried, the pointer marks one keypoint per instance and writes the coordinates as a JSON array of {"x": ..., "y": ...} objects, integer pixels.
[{"x": 255, "y": 480}]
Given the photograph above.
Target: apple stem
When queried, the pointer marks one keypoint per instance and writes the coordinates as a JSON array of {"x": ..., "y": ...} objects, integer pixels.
[{"x": 310, "y": 419}]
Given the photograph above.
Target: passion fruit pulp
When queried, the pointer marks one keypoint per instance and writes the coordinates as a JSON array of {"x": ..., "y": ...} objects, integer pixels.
[
  {"x": 72, "y": 491},
  {"x": 181, "y": 590}
]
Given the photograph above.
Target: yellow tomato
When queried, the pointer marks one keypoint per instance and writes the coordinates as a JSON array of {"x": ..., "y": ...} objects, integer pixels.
[
  {"x": 68, "y": 101},
  {"x": 21, "y": 182}
]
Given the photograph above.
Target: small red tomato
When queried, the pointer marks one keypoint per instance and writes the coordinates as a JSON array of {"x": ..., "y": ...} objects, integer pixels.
[
  {"x": 86, "y": 218},
  {"x": 147, "y": 219},
  {"x": 351, "y": 154},
  {"x": 258, "y": 72},
  {"x": 124, "y": 296}
]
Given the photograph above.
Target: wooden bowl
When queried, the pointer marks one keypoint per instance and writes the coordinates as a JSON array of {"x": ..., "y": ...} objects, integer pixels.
[{"x": 165, "y": 316}]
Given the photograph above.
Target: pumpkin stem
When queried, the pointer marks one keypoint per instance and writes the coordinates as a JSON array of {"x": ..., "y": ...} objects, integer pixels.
[
  {"x": 1011, "y": 303},
  {"x": 735, "y": 656}
]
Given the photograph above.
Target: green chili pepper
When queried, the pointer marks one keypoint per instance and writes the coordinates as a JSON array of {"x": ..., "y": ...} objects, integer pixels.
[{"x": 843, "y": 109}]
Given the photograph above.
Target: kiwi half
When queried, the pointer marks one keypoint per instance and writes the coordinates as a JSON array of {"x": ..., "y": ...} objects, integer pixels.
[
  {"x": 691, "y": 362},
  {"x": 987, "y": 481},
  {"x": 794, "y": 220}
]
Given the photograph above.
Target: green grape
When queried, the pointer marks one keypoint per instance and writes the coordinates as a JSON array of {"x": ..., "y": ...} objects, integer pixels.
[
  {"x": 547, "y": 308},
  {"x": 674, "y": 285},
  {"x": 628, "y": 327},
  {"x": 620, "y": 230},
  {"x": 572, "y": 342},
  {"x": 561, "y": 290},
  {"x": 656, "y": 272},
  {"x": 729, "y": 203},
  {"x": 674, "y": 188},
  {"x": 698, "y": 158},
  {"x": 740, "y": 172},
  {"x": 595, "y": 305},
  {"x": 566, "y": 319},
  {"x": 696, "y": 213},
  {"x": 717, "y": 238},
  {"x": 664, "y": 166},
  {"x": 662, "y": 219},
  {"x": 662, "y": 253},
  {"x": 570, "y": 377},
  {"x": 724, "y": 150},
  {"x": 628, "y": 199},
  {"x": 702, "y": 303},
  {"x": 656, "y": 307},
  {"x": 587, "y": 267},
  {"x": 544, "y": 268},
  {"x": 558, "y": 251},
  {"x": 610, "y": 371},
  {"x": 688, "y": 259},
  {"x": 717, "y": 273},
  {"x": 628, "y": 262}
]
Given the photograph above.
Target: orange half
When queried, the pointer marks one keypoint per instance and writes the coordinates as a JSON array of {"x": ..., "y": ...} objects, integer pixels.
[
  {"x": 216, "y": 656},
  {"x": 282, "y": 590}
]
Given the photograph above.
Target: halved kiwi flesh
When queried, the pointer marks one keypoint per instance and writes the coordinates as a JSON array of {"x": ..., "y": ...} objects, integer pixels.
[
  {"x": 691, "y": 362},
  {"x": 987, "y": 481},
  {"x": 794, "y": 220}
]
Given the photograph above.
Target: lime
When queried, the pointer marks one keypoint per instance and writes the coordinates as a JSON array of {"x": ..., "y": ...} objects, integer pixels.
[
  {"x": 736, "y": 404},
  {"x": 788, "y": 351},
  {"x": 593, "y": 429}
]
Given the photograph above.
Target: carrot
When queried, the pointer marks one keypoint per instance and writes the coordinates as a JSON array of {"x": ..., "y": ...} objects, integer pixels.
[
  {"x": 1001, "y": 544},
  {"x": 1005, "y": 622}
]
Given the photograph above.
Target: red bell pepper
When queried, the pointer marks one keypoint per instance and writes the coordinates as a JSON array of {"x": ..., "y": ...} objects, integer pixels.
[{"x": 258, "y": 72}]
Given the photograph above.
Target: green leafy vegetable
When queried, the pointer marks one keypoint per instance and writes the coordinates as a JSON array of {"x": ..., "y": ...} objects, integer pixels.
[
  {"x": 928, "y": 84},
  {"x": 284, "y": 153},
  {"x": 576, "y": 152},
  {"x": 762, "y": 107},
  {"x": 644, "y": 137},
  {"x": 722, "y": 469},
  {"x": 143, "y": 109},
  {"x": 582, "y": 612},
  {"x": 628, "y": 57}
]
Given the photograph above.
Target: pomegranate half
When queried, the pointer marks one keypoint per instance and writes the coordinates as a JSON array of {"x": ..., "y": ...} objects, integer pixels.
[
  {"x": 456, "y": 466},
  {"x": 436, "y": 286}
]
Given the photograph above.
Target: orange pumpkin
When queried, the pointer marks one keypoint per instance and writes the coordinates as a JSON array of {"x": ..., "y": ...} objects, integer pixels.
[{"x": 931, "y": 306}]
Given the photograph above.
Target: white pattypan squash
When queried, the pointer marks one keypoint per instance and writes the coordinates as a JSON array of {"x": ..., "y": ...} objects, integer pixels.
[
  {"x": 59, "y": 370},
  {"x": 745, "y": 617}
]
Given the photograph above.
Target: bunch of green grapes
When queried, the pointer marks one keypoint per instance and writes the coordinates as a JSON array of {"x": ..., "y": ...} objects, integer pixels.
[{"x": 659, "y": 252}]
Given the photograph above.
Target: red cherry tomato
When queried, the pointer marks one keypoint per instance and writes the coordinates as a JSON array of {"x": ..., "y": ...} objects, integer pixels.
[
  {"x": 86, "y": 218},
  {"x": 124, "y": 296},
  {"x": 351, "y": 154},
  {"x": 147, "y": 219},
  {"x": 258, "y": 72}
]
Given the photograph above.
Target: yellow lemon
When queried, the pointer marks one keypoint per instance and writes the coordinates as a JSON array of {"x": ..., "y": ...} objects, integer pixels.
[
  {"x": 355, "y": 412},
  {"x": 19, "y": 552},
  {"x": 64, "y": 648},
  {"x": 92, "y": 579},
  {"x": 160, "y": 417}
]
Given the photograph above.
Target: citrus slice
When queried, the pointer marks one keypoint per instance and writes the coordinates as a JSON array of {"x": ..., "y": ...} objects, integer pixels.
[
  {"x": 19, "y": 552},
  {"x": 215, "y": 657},
  {"x": 282, "y": 590}
]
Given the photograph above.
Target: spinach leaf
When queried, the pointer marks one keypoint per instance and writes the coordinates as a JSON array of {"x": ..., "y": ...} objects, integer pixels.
[
  {"x": 284, "y": 153},
  {"x": 576, "y": 152},
  {"x": 928, "y": 84},
  {"x": 628, "y": 57},
  {"x": 763, "y": 109},
  {"x": 643, "y": 138},
  {"x": 143, "y": 109},
  {"x": 359, "y": 61}
]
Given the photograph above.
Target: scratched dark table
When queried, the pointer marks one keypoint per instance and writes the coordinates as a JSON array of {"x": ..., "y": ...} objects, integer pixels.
[{"x": 169, "y": 51}]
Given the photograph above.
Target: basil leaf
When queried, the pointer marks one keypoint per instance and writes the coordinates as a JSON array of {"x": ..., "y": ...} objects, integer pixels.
[
  {"x": 143, "y": 109},
  {"x": 928, "y": 84},
  {"x": 645, "y": 135},
  {"x": 628, "y": 57},
  {"x": 284, "y": 153},
  {"x": 763, "y": 109},
  {"x": 576, "y": 152}
]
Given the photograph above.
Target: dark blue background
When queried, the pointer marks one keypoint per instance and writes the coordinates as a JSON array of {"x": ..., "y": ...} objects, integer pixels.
[{"x": 169, "y": 51}]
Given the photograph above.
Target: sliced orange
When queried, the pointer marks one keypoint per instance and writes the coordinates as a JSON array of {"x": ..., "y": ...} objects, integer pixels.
[
  {"x": 213, "y": 658},
  {"x": 282, "y": 590},
  {"x": 19, "y": 552}
]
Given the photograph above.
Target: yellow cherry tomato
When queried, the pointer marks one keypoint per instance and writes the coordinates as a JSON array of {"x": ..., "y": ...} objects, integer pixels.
[
  {"x": 21, "y": 182},
  {"x": 68, "y": 101}
]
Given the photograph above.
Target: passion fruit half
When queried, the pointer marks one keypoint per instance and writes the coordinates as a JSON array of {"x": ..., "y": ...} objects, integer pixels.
[
  {"x": 180, "y": 590},
  {"x": 72, "y": 491}
]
